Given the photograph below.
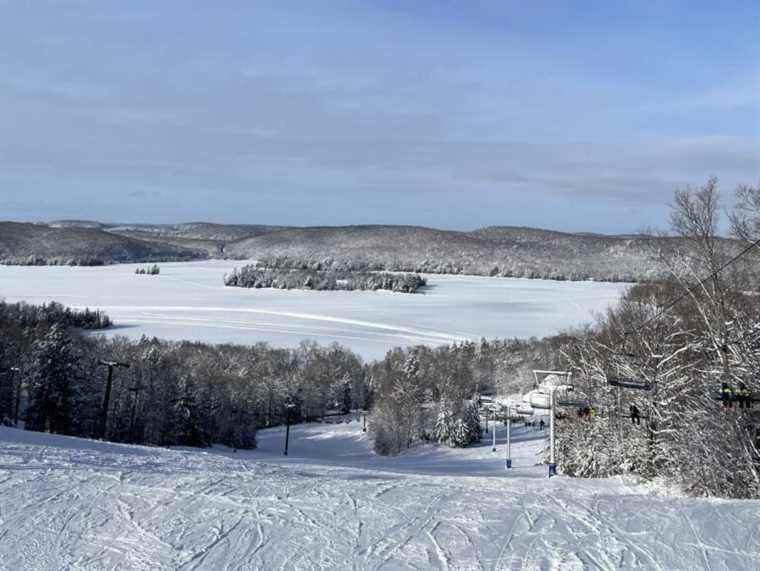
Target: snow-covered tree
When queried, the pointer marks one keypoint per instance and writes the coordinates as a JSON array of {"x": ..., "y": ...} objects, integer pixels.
[{"x": 53, "y": 388}]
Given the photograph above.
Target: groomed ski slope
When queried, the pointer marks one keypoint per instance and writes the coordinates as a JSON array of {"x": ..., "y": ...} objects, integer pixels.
[{"x": 332, "y": 504}]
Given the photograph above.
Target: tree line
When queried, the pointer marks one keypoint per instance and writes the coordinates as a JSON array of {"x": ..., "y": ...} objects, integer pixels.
[
  {"x": 26, "y": 315},
  {"x": 191, "y": 394},
  {"x": 195, "y": 394},
  {"x": 282, "y": 277}
]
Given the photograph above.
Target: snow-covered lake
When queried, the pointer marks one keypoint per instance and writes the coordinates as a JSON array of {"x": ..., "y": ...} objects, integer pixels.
[{"x": 189, "y": 301}]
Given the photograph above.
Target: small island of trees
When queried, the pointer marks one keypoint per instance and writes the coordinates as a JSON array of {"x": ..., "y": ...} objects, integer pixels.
[
  {"x": 252, "y": 276},
  {"x": 153, "y": 270}
]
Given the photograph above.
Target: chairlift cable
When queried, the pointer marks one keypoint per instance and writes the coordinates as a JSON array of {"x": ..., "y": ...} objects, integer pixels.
[{"x": 688, "y": 291}]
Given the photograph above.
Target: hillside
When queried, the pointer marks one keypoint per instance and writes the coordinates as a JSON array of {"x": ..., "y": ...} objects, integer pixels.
[
  {"x": 40, "y": 244},
  {"x": 503, "y": 251},
  {"x": 493, "y": 251},
  {"x": 204, "y": 236}
]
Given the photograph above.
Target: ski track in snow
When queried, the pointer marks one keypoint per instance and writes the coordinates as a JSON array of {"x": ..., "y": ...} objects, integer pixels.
[{"x": 333, "y": 504}]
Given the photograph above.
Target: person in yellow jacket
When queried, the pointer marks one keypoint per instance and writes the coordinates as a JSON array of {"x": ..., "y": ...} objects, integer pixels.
[
  {"x": 743, "y": 396},
  {"x": 727, "y": 395}
]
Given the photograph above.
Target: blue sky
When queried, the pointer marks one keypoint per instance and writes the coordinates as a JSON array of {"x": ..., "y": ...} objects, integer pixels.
[{"x": 568, "y": 115}]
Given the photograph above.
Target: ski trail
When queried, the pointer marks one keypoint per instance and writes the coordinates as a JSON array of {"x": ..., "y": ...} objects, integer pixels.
[
  {"x": 441, "y": 336},
  {"x": 71, "y": 503}
]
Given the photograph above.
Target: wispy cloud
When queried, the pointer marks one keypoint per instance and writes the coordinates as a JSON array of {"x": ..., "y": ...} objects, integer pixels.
[{"x": 466, "y": 115}]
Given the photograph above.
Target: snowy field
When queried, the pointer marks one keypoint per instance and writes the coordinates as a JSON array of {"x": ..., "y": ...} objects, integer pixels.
[
  {"x": 67, "y": 503},
  {"x": 189, "y": 301}
]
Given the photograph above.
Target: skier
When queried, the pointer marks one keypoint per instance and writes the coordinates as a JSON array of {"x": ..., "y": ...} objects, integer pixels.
[
  {"x": 635, "y": 414},
  {"x": 541, "y": 424},
  {"x": 727, "y": 395}
]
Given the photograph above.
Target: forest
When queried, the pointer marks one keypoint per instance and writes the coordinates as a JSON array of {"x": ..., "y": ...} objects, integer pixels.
[
  {"x": 284, "y": 274},
  {"x": 195, "y": 394}
]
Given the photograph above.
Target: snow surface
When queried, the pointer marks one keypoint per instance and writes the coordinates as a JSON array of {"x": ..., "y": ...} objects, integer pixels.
[
  {"x": 189, "y": 301},
  {"x": 332, "y": 504}
]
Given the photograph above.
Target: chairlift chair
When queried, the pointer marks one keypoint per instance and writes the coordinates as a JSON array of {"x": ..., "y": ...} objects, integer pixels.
[
  {"x": 538, "y": 400},
  {"x": 629, "y": 383},
  {"x": 564, "y": 400},
  {"x": 524, "y": 409}
]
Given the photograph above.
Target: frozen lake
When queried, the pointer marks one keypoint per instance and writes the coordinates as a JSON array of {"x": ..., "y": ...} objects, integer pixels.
[{"x": 189, "y": 301}]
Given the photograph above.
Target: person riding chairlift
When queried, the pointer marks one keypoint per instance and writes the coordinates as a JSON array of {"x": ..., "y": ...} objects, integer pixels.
[
  {"x": 635, "y": 414},
  {"x": 743, "y": 396},
  {"x": 727, "y": 395}
]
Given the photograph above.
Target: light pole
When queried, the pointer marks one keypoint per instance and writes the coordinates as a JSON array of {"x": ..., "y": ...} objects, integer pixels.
[{"x": 107, "y": 396}]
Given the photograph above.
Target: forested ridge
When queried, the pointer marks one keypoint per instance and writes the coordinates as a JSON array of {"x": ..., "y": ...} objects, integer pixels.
[
  {"x": 39, "y": 245},
  {"x": 501, "y": 252},
  {"x": 492, "y": 251}
]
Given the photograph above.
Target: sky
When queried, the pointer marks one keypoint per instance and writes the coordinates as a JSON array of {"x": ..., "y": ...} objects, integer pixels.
[{"x": 577, "y": 116}]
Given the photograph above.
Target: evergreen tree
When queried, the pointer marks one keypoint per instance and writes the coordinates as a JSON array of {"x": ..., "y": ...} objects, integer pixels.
[
  {"x": 460, "y": 435},
  {"x": 52, "y": 383},
  {"x": 443, "y": 431},
  {"x": 188, "y": 429},
  {"x": 472, "y": 422}
]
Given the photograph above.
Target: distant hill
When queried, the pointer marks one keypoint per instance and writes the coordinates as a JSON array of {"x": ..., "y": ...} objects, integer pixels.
[
  {"x": 41, "y": 244},
  {"x": 496, "y": 251},
  {"x": 203, "y": 236}
]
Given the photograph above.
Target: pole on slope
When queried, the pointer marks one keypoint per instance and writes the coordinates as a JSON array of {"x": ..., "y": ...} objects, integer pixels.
[
  {"x": 287, "y": 432},
  {"x": 493, "y": 430},
  {"x": 364, "y": 416},
  {"x": 552, "y": 462},
  {"x": 508, "y": 459},
  {"x": 107, "y": 396},
  {"x": 289, "y": 406}
]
